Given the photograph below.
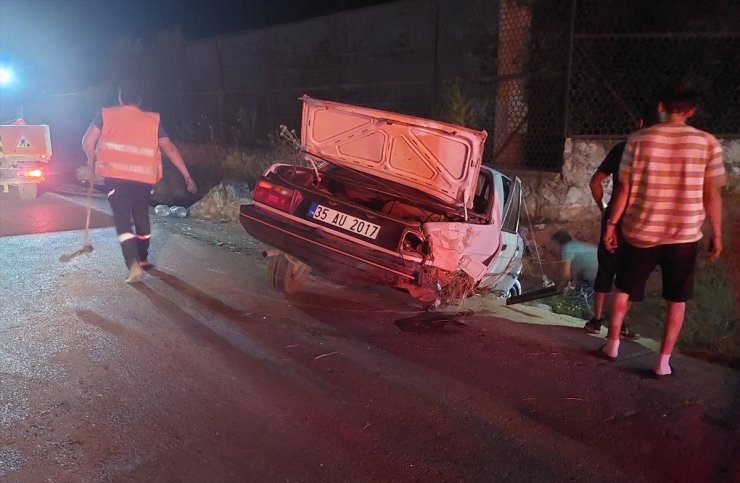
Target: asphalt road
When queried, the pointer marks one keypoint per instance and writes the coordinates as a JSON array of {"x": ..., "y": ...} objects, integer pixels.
[{"x": 201, "y": 373}]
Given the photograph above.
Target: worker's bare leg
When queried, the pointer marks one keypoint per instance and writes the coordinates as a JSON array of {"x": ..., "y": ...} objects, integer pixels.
[
  {"x": 673, "y": 323},
  {"x": 620, "y": 305}
]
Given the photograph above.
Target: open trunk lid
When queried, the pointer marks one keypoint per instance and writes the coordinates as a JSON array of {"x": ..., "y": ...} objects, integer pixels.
[{"x": 434, "y": 157}]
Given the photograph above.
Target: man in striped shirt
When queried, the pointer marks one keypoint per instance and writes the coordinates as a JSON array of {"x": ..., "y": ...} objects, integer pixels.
[{"x": 671, "y": 177}]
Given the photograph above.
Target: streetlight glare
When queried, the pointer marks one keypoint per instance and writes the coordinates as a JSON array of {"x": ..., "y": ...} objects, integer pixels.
[{"x": 6, "y": 76}]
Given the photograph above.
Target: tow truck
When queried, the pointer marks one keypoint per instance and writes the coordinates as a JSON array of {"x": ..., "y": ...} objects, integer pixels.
[{"x": 25, "y": 151}]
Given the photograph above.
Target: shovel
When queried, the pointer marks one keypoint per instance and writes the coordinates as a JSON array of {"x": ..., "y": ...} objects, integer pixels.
[{"x": 86, "y": 246}]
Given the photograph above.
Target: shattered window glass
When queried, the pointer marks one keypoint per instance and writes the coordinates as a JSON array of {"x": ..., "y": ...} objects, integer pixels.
[{"x": 513, "y": 206}]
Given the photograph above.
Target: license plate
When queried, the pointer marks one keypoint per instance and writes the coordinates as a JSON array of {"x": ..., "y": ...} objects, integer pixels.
[{"x": 343, "y": 221}]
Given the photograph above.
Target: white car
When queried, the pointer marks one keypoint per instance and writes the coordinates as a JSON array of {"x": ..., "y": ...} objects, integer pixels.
[{"x": 390, "y": 199}]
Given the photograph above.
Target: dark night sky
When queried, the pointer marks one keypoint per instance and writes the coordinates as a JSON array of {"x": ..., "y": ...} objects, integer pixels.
[{"x": 61, "y": 44}]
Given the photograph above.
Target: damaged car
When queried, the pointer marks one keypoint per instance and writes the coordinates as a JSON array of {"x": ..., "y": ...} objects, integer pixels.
[{"x": 389, "y": 199}]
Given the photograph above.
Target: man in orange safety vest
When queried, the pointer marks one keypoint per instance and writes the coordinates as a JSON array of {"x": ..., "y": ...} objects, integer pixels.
[{"x": 123, "y": 145}]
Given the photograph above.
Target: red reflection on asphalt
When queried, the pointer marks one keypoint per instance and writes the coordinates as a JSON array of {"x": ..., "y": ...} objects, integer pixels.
[{"x": 44, "y": 215}]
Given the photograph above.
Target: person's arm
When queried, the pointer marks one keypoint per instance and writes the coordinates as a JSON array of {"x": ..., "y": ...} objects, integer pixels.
[
  {"x": 619, "y": 198},
  {"x": 89, "y": 140},
  {"x": 618, "y": 206},
  {"x": 609, "y": 166},
  {"x": 174, "y": 155},
  {"x": 713, "y": 207},
  {"x": 597, "y": 190},
  {"x": 566, "y": 273}
]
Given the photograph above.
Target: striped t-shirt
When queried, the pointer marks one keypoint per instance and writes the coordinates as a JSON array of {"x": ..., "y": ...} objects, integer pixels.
[{"x": 665, "y": 167}]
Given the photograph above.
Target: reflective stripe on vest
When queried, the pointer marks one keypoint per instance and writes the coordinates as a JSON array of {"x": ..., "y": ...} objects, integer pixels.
[
  {"x": 133, "y": 169},
  {"x": 128, "y": 147}
]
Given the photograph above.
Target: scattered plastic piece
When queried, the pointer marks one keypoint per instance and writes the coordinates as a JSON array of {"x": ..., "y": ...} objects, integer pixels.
[{"x": 178, "y": 211}]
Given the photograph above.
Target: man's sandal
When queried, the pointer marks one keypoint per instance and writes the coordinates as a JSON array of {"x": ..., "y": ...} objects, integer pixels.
[{"x": 604, "y": 355}]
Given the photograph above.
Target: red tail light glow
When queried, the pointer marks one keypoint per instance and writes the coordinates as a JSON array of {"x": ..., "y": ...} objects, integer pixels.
[
  {"x": 274, "y": 195},
  {"x": 34, "y": 173}
]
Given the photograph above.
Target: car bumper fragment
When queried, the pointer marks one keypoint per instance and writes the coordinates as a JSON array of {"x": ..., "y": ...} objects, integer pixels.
[{"x": 329, "y": 254}]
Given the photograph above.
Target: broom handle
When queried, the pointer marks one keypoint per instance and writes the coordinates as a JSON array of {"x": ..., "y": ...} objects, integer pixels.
[{"x": 89, "y": 209}]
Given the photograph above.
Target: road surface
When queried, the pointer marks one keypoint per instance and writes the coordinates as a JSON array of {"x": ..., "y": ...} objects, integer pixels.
[{"x": 201, "y": 373}]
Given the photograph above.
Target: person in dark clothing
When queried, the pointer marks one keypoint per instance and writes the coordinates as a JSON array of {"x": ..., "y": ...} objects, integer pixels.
[
  {"x": 123, "y": 144},
  {"x": 608, "y": 260}
]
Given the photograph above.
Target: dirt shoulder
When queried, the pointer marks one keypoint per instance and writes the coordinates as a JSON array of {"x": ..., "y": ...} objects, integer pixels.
[
  {"x": 712, "y": 327},
  {"x": 711, "y": 324}
]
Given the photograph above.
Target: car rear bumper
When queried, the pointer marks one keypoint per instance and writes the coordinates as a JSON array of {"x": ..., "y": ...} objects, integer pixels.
[{"x": 332, "y": 255}]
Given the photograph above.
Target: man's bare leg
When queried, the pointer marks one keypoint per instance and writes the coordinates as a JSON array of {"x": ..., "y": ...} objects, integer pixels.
[
  {"x": 593, "y": 326},
  {"x": 620, "y": 305},
  {"x": 599, "y": 301},
  {"x": 673, "y": 323}
]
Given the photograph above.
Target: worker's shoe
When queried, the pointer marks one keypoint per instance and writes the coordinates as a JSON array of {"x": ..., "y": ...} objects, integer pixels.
[
  {"x": 627, "y": 333},
  {"x": 593, "y": 326},
  {"x": 135, "y": 273}
]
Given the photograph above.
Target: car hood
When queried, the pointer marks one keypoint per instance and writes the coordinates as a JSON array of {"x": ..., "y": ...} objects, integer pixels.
[{"x": 437, "y": 158}]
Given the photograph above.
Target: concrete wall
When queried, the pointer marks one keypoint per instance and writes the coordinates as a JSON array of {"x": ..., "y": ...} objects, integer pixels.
[{"x": 566, "y": 196}]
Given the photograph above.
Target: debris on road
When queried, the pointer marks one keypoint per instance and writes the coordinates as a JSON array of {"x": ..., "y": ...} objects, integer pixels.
[{"x": 325, "y": 355}]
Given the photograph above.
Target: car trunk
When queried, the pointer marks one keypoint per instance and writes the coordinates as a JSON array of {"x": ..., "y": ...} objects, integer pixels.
[
  {"x": 398, "y": 211},
  {"x": 424, "y": 241}
]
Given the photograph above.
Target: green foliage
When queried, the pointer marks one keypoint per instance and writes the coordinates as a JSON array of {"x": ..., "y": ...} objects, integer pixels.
[
  {"x": 244, "y": 131},
  {"x": 571, "y": 302},
  {"x": 711, "y": 322},
  {"x": 711, "y": 319},
  {"x": 209, "y": 165},
  {"x": 457, "y": 109}
]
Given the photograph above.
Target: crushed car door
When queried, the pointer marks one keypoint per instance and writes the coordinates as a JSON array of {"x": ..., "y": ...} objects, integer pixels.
[
  {"x": 469, "y": 246},
  {"x": 511, "y": 243}
]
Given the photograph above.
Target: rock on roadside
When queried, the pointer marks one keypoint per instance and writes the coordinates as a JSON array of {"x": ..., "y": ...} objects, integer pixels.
[{"x": 222, "y": 202}]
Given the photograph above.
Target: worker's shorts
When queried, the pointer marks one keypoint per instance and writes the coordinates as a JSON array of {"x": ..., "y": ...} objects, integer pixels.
[{"x": 677, "y": 263}]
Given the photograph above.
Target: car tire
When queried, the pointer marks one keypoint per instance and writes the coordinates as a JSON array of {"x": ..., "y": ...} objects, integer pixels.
[
  {"x": 515, "y": 290},
  {"x": 28, "y": 191},
  {"x": 286, "y": 274}
]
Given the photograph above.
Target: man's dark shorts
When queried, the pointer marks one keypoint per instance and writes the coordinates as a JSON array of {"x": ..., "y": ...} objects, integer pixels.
[{"x": 677, "y": 263}]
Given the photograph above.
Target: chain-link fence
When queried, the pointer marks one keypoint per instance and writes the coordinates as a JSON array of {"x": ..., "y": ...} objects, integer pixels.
[
  {"x": 625, "y": 51},
  {"x": 530, "y": 72},
  {"x": 431, "y": 58}
]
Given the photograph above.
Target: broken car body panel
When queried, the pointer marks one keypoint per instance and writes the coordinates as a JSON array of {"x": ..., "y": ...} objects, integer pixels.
[
  {"x": 455, "y": 245},
  {"x": 437, "y": 158}
]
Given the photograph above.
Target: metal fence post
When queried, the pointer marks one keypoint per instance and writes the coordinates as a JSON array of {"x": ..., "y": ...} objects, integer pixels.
[
  {"x": 220, "y": 98},
  {"x": 569, "y": 68},
  {"x": 435, "y": 59},
  {"x": 270, "y": 80}
]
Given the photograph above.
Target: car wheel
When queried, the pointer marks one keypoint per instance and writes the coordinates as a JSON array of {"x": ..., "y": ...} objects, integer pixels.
[
  {"x": 28, "y": 191},
  {"x": 286, "y": 274},
  {"x": 515, "y": 290}
]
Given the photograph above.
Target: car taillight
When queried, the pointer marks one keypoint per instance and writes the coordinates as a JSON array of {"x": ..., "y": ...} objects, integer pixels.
[
  {"x": 274, "y": 195},
  {"x": 44, "y": 156},
  {"x": 34, "y": 173}
]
